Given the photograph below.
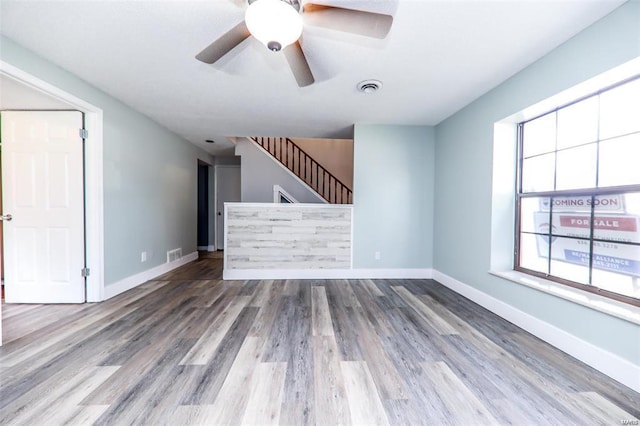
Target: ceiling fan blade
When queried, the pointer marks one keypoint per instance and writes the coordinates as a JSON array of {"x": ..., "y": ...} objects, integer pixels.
[
  {"x": 224, "y": 44},
  {"x": 368, "y": 24},
  {"x": 299, "y": 65}
]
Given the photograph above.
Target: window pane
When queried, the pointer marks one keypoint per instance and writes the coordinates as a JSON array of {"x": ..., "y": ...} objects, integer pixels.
[
  {"x": 531, "y": 215},
  {"x": 570, "y": 259},
  {"x": 537, "y": 173},
  {"x": 616, "y": 267},
  {"x": 619, "y": 110},
  {"x": 539, "y": 135},
  {"x": 620, "y": 161},
  {"x": 534, "y": 253},
  {"x": 576, "y": 168},
  {"x": 622, "y": 225},
  {"x": 578, "y": 123}
]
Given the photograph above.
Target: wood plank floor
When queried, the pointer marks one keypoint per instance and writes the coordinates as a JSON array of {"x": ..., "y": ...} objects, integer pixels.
[{"x": 189, "y": 348}]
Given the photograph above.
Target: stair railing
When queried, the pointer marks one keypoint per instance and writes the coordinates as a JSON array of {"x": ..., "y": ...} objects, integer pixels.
[{"x": 306, "y": 168}]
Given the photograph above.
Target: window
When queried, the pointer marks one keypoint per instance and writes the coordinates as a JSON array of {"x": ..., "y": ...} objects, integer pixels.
[{"x": 578, "y": 194}]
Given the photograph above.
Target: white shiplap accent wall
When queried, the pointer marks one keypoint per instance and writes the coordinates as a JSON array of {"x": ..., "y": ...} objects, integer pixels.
[{"x": 287, "y": 236}]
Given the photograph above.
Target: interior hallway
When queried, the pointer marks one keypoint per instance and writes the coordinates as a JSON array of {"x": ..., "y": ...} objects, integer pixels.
[{"x": 189, "y": 348}]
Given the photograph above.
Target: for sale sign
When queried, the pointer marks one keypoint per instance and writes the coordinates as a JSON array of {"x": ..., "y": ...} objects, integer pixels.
[{"x": 610, "y": 256}]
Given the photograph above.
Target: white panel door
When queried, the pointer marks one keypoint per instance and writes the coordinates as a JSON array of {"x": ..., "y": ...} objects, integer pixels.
[
  {"x": 42, "y": 188},
  {"x": 227, "y": 191}
]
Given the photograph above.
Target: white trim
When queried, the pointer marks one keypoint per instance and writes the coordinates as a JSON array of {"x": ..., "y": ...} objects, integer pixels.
[
  {"x": 275, "y": 160},
  {"x": 207, "y": 248},
  {"x": 351, "y": 241},
  {"x": 279, "y": 191},
  {"x": 594, "y": 301},
  {"x": 224, "y": 253},
  {"x": 302, "y": 274},
  {"x": 610, "y": 364},
  {"x": 148, "y": 275},
  {"x": 279, "y": 206},
  {"x": 93, "y": 174}
]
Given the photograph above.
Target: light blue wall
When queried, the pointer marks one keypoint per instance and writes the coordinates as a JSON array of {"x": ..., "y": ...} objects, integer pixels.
[
  {"x": 463, "y": 200},
  {"x": 150, "y": 175},
  {"x": 393, "y": 189}
]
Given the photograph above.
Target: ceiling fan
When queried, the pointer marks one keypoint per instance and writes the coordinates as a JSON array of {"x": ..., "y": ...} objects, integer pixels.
[{"x": 278, "y": 25}]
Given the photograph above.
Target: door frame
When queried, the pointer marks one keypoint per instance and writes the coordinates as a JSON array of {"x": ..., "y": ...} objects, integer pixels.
[{"x": 94, "y": 197}]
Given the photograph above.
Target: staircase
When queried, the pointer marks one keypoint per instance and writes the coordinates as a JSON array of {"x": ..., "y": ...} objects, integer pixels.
[{"x": 307, "y": 169}]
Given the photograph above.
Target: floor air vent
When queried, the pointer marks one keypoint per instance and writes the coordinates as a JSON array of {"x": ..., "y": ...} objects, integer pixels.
[{"x": 173, "y": 255}]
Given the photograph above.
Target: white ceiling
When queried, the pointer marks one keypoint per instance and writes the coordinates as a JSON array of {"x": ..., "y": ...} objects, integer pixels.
[{"x": 439, "y": 56}]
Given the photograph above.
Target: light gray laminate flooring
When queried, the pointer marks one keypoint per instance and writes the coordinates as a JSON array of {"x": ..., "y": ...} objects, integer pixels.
[{"x": 189, "y": 348}]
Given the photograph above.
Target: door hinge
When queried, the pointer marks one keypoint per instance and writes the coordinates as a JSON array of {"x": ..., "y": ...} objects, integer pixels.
[
  {"x": 85, "y": 272},
  {"x": 84, "y": 134}
]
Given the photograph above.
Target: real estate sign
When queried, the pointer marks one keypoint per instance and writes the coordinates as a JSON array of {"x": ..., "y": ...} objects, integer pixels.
[
  {"x": 601, "y": 203},
  {"x": 611, "y": 255}
]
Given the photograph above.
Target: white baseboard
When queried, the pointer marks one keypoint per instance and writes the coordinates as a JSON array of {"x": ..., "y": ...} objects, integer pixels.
[
  {"x": 207, "y": 248},
  {"x": 310, "y": 274},
  {"x": 610, "y": 364},
  {"x": 144, "y": 276}
]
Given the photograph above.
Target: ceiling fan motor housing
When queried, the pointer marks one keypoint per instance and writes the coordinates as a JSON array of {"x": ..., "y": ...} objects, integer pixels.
[{"x": 274, "y": 46}]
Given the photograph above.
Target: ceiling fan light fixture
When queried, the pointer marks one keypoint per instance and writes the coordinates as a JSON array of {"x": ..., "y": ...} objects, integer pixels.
[{"x": 275, "y": 23}]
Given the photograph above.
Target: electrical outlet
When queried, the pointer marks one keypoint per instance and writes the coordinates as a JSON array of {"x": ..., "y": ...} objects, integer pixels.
[
  {"x": 143, "y": 256},
  {"x": 376, "y": 255}
]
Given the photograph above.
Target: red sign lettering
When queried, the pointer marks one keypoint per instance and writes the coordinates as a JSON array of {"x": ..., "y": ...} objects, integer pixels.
[{"x": 612, "y": 223}]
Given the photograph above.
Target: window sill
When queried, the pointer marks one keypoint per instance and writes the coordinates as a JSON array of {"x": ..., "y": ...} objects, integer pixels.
[{"x": 599, "y": 303}]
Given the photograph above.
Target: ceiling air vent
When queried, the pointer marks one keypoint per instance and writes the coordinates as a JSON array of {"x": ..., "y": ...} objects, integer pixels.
[{"x": 369, "y": 86}]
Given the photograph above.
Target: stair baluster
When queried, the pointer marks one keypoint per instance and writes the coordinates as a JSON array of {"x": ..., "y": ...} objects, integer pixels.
[{"x": 302, "y": 165}]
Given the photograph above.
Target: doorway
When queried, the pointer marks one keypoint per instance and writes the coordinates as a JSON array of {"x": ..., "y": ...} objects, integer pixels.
[
  {"x": 203, "y": 207},
  {"x": 21, "y": 90},
  {"x": 228, "y": 190}
]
